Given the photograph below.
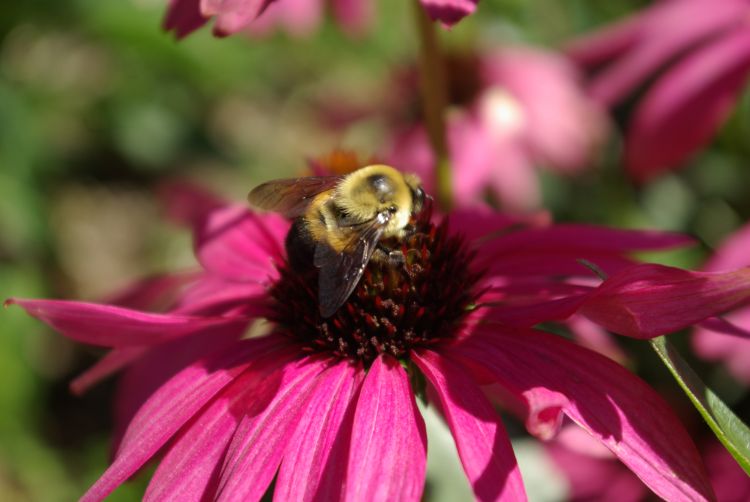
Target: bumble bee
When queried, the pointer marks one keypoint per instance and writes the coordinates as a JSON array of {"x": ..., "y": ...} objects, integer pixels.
[{"x": 339, "y": 222}]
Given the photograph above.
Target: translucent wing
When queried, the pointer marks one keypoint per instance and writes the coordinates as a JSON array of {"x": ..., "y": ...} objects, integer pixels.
[
  {"x": 340, "y": 271},
  {"x": 291, "y": 196}
]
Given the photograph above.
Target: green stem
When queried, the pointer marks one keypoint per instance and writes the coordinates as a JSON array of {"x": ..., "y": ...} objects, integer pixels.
[{"x": 434, "y": 99}]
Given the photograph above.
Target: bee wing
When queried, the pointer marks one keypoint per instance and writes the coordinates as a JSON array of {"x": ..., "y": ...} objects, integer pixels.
[
  {"x": 290, "y": 197},
  {"x": 340, "y": 271}
]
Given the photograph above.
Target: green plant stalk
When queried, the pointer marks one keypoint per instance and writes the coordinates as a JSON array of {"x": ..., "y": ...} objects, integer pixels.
[
  {"x": 729, "y": 429},
  {"x": 434, "y": 92}
]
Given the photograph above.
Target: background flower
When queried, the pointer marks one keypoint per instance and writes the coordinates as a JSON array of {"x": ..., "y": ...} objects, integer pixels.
[
  {"x": 693, "y": 58},
  {"x": 298, "y": 17},
  {"x": 516, "y": 109},
  {"x": 728, "y": 340}
]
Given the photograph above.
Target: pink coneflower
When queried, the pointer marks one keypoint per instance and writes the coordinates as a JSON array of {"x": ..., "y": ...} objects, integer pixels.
[
  {"x": 327, "y": 406},
  {"x": 297, "y": 16},
  {"x": 513, "y": 110},
  {"x": 692, "y": 55},
  {"x": 728, "y": 340}
]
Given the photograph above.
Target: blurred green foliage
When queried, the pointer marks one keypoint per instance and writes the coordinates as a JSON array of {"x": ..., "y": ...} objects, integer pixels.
[{"x": 98, "y": 106}]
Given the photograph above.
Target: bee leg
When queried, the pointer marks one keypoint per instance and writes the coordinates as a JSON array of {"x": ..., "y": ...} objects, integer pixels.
[{"x": 393, "y": 257}]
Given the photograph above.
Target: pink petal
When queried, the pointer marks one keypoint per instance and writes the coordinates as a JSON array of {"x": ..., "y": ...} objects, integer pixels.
[
  {"x": 241, "y": 246},
  {"x": 155, "y": 293},
  {"x": 486, "y": 224},
  {"x": 183, "y": 17},
  {"x": 480, "y": 436},
  {"x": 668, "y": 30},
  {"x": 591, "y": 473},
  {"x": 589, "y": 237},
  {"x": 114, "y": 326},
  {"x": 389, "y": 441},
  {"x": 732, "y": 253},
  {"x": 190, "y": 469},
  {"x": 449, "y": 12},
  {"x": 233, "y": 15},
  {"x": 354, "y": 16},
  {"x": 114, "y": 361},
  {"x": 159, "y": 363},
  {"x": 216, "y": 296},
  {"x": 684, "y": 108},
  {"x": 645, "y": 301},
  {"x": 176, "y": 402},
  {"x": 609, "y": 402},
  {"x": 315, "y": 462},
  {"x": 603, "y": 45},
  {"x": 254, "y": 454},
  {"x": 188, "y": 204},
  {"x": 727, "y": 342}
]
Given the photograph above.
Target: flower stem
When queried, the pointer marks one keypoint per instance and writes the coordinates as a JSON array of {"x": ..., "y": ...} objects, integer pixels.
[{"x": 434, "y": 100}]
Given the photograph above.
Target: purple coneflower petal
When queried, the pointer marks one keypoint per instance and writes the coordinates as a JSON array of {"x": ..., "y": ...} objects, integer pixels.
[
  {"x": 603, "y": 45},
  {"x": 111, "y": 363},
  {"x": 389, "y": 440},
  {"x": 176, "y": 402},
  {"x": 233, "y": 15},
  {"x": 154, "y": 294},
  {"x": 240, "y": 245},
  {"x": 449, "y": 12},
  {"x": 481, "y": 439},
  {"x": 665, "y": 36},
  {"x": 648, "y": 300},
  {"x": 190, "y": 469},
  {"x": 315, "y": 462},
  {"x": 254, "y": 454},
  {"x": 686, "y": 106},
  {"x": 609, "y": 402},
  {"x": 214, "y": 295},
  {"x": 354, "y": 16},
  {"x": 183, "y": 17},
  {"x": 110, "y": 326},
  {"x": 732, "y": 254}
]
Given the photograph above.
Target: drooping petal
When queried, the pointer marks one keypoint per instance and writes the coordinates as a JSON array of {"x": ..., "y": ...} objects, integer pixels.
[
  {"x": 176, "y": 402},
  {"x": 110, "y": 326},
  {"x": 183, "y": 17},
  {"x": 159, "y": 363},
  {"x": 190, "y": 469},
  {"x": 315, "y": 462},
  {"x": 647, "y": 300},
  {"x": 188, "y": 204},
  {"x": 155, "y": 294},
  {"x": 609, "y": 402},
  {"x": 684, "y": 108},
  {"x": 449, "y": 12},
  {"x": 216, "y": 295},
  {"x": 389, "y": 443},
  {"x": 254, "y": 454},
  {"x": 241, "y": 246},
  {"x": 727, "y": 342},
  {"x": 603, "y": 45},
  {"x": 112, "y": 362},
  {"x": 481, "y": 439},
  {"x": 589, "y": 237}
]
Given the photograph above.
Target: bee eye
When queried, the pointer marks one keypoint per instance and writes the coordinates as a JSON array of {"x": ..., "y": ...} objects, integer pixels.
[{"x": 393, "y": 209}]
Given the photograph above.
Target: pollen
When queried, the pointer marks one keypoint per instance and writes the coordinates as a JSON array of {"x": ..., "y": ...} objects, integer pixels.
[{"x": 395, "y": 307}]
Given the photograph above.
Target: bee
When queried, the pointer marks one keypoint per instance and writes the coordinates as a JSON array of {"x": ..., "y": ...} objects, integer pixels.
[{"x": 340, "y": 221}]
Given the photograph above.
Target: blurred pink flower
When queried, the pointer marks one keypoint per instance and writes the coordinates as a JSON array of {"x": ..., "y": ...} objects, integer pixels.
[
  {"x": 298, "y": 17},
  {"x": 692, "y": 55},
  {"x": 304, "y": 397},
  {"x": 728, "y": 339},
  {"x": 524, "y": 108},
  {"x": 593, "y": 473}
]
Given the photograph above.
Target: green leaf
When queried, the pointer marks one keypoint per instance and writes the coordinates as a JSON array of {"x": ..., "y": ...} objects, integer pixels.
[{"x": 731, "y": 431}]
